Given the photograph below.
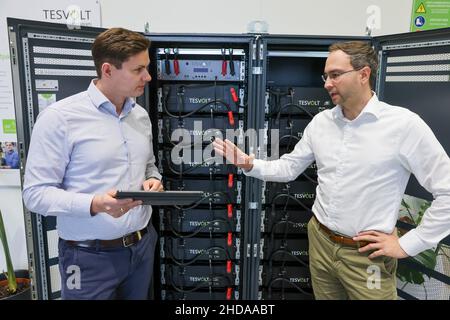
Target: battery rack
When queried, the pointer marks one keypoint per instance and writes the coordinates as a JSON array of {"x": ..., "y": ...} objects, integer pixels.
[
  {"x": 294, "y": 94},
  {"x": 201, "y": 94}
]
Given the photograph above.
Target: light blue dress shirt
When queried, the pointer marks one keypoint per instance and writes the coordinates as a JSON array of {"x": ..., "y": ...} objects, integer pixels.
[
  {"x": 80, "y": 147},
  {"x": 12, "y": 159}
]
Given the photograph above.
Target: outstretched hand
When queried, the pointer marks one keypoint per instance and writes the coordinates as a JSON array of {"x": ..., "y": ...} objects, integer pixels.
[{"x": 233, "y": 154}]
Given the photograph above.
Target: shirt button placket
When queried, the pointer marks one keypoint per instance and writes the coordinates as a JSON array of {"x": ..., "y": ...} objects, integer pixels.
[
  {"x": 340, "y": 167},
  {"x": 127, "y": 152}
]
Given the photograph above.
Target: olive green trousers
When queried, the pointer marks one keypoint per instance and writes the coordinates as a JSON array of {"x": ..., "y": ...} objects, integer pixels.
[{"x": 340, "y": 272}]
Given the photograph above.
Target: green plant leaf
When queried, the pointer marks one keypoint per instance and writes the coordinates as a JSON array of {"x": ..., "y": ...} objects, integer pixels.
[
  {"x": 10, "y": 275},
  {"x": 405, "y": 204},
  {"x": 427, "y": 258},
  {"x": 423, "y": 207},
  {"x": 409, "y": 275}
]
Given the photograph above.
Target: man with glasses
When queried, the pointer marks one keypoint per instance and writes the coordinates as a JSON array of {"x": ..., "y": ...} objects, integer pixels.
[{"x": 365, "y": 151}]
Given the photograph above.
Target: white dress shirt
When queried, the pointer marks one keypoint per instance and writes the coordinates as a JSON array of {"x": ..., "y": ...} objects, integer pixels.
[
  {"x": 363, "y": 168},
  {"x": 80, "y": 147}
]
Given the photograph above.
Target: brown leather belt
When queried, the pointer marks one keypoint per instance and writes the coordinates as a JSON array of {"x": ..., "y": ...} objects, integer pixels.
[
  {"x": 122, "y": 242},
  {"x": 340, "y": 239}
]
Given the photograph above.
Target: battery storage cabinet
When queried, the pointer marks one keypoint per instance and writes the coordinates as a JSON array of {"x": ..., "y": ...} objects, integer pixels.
[{"x": 201, "y": 92}]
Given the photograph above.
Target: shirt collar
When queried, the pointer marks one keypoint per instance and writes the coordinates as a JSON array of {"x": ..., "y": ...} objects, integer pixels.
[
  {"x": 100, "y": 100},
  {"x": 371, "y": 108}
]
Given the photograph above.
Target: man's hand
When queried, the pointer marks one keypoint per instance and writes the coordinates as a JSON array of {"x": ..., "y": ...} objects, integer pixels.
[
  {"x": 152, "y": 184},
  {"x": 383, "y": 244},
  {"x": 233, "y": 154},
  {"x": 112, "y": 206}
]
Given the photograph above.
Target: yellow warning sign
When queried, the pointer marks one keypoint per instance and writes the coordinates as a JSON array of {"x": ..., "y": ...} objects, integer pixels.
[{"x": 421, "y": 8}]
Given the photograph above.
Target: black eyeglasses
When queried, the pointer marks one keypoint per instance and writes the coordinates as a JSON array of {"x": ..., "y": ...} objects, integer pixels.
[{"x": 334, "y": 75}]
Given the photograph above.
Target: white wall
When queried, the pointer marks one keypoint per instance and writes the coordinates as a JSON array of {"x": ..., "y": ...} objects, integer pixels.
[{"x": 316, "y": 17}]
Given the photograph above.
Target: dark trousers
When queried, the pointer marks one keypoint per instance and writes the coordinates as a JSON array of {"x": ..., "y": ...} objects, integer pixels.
[{"x": 100, "y": 274}]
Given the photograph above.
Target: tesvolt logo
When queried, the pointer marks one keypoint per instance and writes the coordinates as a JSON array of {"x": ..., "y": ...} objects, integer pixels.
[
  {"x": 197, "y": 100},
  {"x": 73, "y": 15},
  {"x": 299, "y": 253},
  {"x": 199, "y": 279},
  {"x": 309, "y": 103},
  {"x": 299, "y": 225},
  {"x": 74, "y": 280},
  {"x": 304, "y": 195},
  {"x": 198, "y": 223},
  {"x": 198, "y": 164},
  {"x": 197, "y": 251},
  {"x": 196, "y": 132},
  {"x": 299, "y": 280}
]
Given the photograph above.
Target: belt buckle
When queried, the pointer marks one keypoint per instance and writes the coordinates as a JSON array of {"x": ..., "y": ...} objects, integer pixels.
[{"x": 125, "y": 242}]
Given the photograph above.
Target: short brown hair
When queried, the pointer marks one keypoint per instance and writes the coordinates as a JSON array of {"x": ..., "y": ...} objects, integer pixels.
[
  {"x": 361, "y": 55},
  {"x": 115, "y": 46}
]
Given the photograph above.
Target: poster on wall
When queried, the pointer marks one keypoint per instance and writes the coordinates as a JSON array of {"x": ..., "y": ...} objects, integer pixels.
[
  {"x": 73, "y": 13},
  {"x": 9, "y": 157},
  {"x": 430, "y": 14}
]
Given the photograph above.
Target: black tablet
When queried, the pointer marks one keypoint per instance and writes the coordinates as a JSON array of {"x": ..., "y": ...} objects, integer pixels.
[{"x": 162, "y": 198}]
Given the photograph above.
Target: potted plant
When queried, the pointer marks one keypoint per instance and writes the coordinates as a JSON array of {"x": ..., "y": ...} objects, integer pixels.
[
  {"x": 413, "y": 210},
  {"x": 14, "y": 285}
]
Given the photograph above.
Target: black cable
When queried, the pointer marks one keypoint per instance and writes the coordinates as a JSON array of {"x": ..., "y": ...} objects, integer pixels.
[
  {"x": 184, "y": 146},
  {"x": 291, "y": 131},
  {"x": 289, "y": 136},
  {"x": 202, "y": 284},
  {"x": 288, "y": 253},
  {"x": 166, "y": 92},
  {"x": 279, "y": 222},
  {"x": 297, "y": 106},
  {"x": 290, "y": 197},
  {"x": 278, "y": 95},
  {"x": 204, "y": 198},
  {"x": 192, "y": 167},
  {"x": 284, "y": 280}
]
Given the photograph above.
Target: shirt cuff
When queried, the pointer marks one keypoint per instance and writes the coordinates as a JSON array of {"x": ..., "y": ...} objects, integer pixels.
[
  {"x": 256, "y": 170},
  {"x": 81, "y": 205},
  {"x": 412, "y": 244},
  {"x": 155, "y": 175}
]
